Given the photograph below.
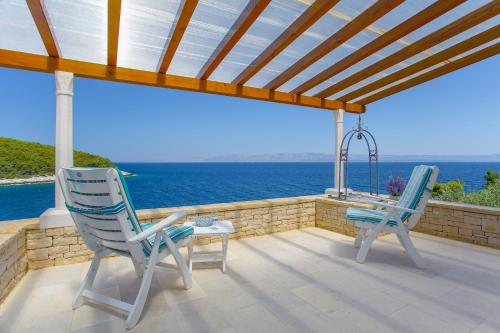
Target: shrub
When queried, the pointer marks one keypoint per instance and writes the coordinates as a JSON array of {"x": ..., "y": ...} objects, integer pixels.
[
  {"x": 21, "y": 159},
  {"x": 490, "y": 178},
  {"x": 454, "y": 191}
]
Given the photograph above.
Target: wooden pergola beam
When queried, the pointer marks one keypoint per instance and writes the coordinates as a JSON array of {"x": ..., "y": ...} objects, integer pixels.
[
  {"x": 114, "y": 10},
  {"x": 413, "y": 23},
  {"x": 185, "y": 13},
  {"x": 251, "y": 12},
  {"x": 440, "y": 71},
  {"x": 376, "y": 11},
  {"x": 466, "y": 22},
  {"x": 453, "y": 51},
  {"x": 301, "y": 24},
  {"x": 42, "y": 22},
  {"x": 34, "y": 62}
]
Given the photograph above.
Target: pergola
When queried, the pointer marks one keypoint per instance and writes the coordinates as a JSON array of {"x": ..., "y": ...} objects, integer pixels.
[{"x": 326, "y": 54}]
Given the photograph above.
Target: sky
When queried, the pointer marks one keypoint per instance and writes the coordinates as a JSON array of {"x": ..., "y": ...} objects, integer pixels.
[{"x": 455, "y": 114}]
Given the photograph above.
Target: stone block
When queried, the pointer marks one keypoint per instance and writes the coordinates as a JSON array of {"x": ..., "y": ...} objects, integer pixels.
[
  {"x": 491, "y": 226},
  {"x": 65, "y": 240},
  {"x": 38, "y": 254},
  {"x": 38, "y": 243},
  {"x": 54, "y": 231},
  {"x": 58, "y": 249},
  {"x": 70, "y": 231},
  {"x": 40, "y": 264}
]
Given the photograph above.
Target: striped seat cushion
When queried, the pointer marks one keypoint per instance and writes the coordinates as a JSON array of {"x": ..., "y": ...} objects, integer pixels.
[
  {"x": 367, "y": 215},
  {"x": 174, "y": 232},
  {"x": 409, "y": 199}
]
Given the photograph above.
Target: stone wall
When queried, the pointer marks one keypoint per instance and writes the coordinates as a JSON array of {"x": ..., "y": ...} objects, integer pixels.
[
  {"x": 61, "y": 246},
  {"x": 13, "y": 259},
  {"x": 55, "y": 246},
  {"x": 23, "y": 245},
  {"x": 468, "y": 223},
  {"x": 330, "y": 214}
]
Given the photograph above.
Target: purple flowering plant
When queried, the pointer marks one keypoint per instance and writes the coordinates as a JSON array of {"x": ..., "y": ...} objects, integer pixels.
[{"x": 395, "y": 186}]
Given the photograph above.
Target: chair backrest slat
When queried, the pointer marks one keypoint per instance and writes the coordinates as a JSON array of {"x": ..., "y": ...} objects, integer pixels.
[
  {"x": 109, "y": 223},
  {"x": 101, "y": 210},
  {"x": 114, "y": 236}
]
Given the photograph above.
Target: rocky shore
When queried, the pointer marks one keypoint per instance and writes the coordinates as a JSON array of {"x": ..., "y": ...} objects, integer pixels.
[{"x": 39, "y": 179}]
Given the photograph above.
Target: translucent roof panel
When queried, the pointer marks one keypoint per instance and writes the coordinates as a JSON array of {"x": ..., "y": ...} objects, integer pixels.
[
  {"x": 442, "y": 46},
  {"x": 278, "y": 15},
  {"x": 372, "y": 32},
  {"x": 80, "y": 28},
  {"x": 326, "y": 26},
  {"x": 18, "y": 31},
  {"x": 145, "y": 28},
  {"x": 430, "y": 68},
  {"x": 210, "y": 22}
]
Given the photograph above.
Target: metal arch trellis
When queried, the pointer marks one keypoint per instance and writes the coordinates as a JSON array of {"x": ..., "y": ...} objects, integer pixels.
[{"x": 360, "y": 133}]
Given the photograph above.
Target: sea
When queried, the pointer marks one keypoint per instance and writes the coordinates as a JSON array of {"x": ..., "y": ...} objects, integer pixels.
[{"x": 158, "y": 185}]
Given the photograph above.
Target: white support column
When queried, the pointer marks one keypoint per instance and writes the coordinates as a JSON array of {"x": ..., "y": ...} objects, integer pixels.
[
  {"x": 59, "y": 216},
  {"x": 339, "y": 134}
]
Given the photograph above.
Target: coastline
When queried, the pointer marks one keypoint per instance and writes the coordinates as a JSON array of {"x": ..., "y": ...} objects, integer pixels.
[{"x": 40, "y": 180}]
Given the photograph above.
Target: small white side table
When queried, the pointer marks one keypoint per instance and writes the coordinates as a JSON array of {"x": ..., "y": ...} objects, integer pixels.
[{"x": 219, "y": 228}]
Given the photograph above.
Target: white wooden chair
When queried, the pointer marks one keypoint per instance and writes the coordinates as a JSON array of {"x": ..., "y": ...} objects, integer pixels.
[
  {"x": 105, "y": 217},
  {"x": 396, "y": 218}
]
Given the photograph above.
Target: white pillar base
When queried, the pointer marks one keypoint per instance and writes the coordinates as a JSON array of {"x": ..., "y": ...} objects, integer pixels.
[{"x": 56, "y": 218}]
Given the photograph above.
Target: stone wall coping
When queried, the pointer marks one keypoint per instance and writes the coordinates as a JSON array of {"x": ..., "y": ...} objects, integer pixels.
[
  {"x": 14, "y": 226},
  {"x": 465, "y": 207},
  {"x": 147, "y": 214}
]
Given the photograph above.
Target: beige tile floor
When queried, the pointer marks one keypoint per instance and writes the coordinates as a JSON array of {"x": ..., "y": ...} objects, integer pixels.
[{"x": 298, "y": 281}]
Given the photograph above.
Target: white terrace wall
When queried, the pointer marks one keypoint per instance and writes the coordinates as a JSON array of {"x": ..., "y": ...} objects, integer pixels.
[{"x": 23, "y": 245}]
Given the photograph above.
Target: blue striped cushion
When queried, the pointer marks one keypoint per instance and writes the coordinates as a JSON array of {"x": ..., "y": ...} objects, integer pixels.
[
  {"x": 175, "y": 233},
  {"x": 367, "y": 215},
  {"x": 409, "y": 199},
  {"x": 415, "y": 189}
]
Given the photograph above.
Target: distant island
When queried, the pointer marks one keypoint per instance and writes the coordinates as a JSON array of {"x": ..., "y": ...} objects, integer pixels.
[
  {"x": 23, "y": 162},
  {"x": 318, "y": 157}
]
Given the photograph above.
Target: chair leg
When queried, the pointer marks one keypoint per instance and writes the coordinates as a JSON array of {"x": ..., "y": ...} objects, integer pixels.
[
  {"x": 142, "y": 295},
  {"x": 139, "y": 268},
  {"x": 405, "y": 240},
  {"x": 181, "y": 263},
  {"x": 402, "y": 242},
  {"x": 365, "y": 246},
  {"x": 88, "y": 281},
  {"x": 359, "y": 238},
  {"x": 135, "y": 313}
]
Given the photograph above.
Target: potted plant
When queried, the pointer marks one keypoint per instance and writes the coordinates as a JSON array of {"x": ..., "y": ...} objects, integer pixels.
[{"x": 395, "y": 186}]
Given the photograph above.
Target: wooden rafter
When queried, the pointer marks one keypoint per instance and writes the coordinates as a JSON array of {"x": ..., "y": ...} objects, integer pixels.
[
  {"x": 440, "y": 71},
  {"x": 453, "y": 51},
  {"x": 42, "y": 22},
  {"x": 376, "y": 11},
  {"x": 184, "y": 17},
  {"x": 413, "y": 23},
  {"x": 34, "y": 62},
  {"x": 464, "y": 23},
  {"x": 114, "y": 10},
  {"x": 251, "y": 12},
  {"x": 301, "y": 24}
]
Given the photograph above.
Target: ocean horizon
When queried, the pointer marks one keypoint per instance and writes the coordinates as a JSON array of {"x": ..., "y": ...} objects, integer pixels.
[{"x": 171, "y": 184}]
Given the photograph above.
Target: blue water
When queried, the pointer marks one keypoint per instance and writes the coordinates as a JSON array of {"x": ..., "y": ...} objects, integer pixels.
[{"x": 178, "y": 184}]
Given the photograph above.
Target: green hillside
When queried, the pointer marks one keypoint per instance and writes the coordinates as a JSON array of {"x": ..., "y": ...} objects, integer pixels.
[{"x": 21, "y": 159}]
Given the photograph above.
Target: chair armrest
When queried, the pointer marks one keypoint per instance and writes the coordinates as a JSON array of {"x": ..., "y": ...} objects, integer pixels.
[
  {"x": 392, "y": 207},
  {"x": 158, "y": 227}
]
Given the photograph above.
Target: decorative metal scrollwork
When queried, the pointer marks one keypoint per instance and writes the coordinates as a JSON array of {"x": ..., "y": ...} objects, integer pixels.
[{"x": 360, "y": 133}]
